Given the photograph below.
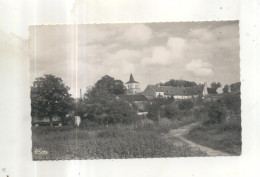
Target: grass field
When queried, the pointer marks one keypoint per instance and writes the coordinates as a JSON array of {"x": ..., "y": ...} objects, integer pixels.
[
  {"x": 219, "y": 137},
  {"x": 116, "y": 141}
]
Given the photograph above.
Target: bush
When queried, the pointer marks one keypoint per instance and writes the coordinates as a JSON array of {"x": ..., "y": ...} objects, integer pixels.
[
  {"x": 186, "y": 105},
  {"x": 231, "y": 125},
  {"x": 232, "y": 102},
  {"x": 156, "y": 107},
  {"x": 170, "y": 111},
  {"x": 104, "y": 108},
  {"x": 216, "y": 113}
]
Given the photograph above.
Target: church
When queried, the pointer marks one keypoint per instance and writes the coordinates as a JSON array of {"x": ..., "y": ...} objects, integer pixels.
[
  {"x": 133, "y": 94},
  {"x": 154, "y": 91},
  {"x": 132, "y": 86}
]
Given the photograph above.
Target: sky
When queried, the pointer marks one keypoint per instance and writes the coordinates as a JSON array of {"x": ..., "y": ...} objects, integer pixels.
[{"x": 152, "y": 52}]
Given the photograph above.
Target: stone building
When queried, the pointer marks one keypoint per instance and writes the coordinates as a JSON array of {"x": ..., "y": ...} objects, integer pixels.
[
  {"x": 154, "y": 91},
  {"x": 132, "y": 86}
]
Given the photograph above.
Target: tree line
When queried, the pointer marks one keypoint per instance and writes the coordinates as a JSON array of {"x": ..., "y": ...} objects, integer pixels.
[{"x": 50, "y": 98}]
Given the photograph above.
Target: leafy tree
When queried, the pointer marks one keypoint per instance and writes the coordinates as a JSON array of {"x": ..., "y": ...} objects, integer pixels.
[
  {"x": 50, "y": 98},
  {"x": 215, "y": 86},
  {"x": 226, "y": 89},
  {"x": 110, "y": 85},
  {"x": 235, "y": 87},
  {"x": 100, "y": 106},
  {"x": 175, "y": 83}
]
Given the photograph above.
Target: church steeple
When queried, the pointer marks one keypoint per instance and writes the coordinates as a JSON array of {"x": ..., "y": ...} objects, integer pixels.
[
  {"x": 132, "y": 86},
  {"x": 131, "y": 79}
]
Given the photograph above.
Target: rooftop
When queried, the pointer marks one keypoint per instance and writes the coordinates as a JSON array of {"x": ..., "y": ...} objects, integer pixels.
[
  {"x": 169, "y": 90},
  {"x": 131, "y": 79},
  {"x": 131, "y": 98}
]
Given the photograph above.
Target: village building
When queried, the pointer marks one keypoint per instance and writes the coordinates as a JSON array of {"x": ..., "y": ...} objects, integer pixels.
[
  {"x": 134, "y": 95},
  {"x": 155, "y": 91},
  {"x": 132, "y": 86}
]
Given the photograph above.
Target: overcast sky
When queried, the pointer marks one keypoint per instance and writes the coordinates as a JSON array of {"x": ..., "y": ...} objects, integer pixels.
[{"x": 153, "y": 52}]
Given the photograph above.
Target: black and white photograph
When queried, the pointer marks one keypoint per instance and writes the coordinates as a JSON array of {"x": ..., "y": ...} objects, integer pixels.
[{"x": 135, "y": 90}]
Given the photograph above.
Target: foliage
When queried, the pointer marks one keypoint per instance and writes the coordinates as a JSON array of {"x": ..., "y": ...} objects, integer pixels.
[
  {"x": 110, "y": 85},
  {"x": 186, "y": 105},
  {"x": 176, "y": 83},
  {"x": 100, "y": 106},
  {"x": 170, "y": 111},
  {"x": 216, "y": 112},
  {"x": 235, "y": 87},
  {"x": 225, "y": 137},
  {"x": 102, "y": 143},
  {"x": 226, "y": 89},
  {"x": 215, "y": 85},
  {"x": 50, "y": 97},
  {"x": 232, "y": 102},
  {"x": 154, "y": 107}
]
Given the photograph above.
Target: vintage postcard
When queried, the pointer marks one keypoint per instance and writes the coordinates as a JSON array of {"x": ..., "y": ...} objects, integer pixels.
[{"x": 135, "y": 90}]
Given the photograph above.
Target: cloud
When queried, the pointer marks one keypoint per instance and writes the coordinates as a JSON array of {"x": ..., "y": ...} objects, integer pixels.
[
  {"x": 138, "y": 34},
  {"x": 95, "y": 34},
  {"x": 119, "y": 49},
  {"x": 160, "y": 56},
  {"x": 199, "y": 67},
  {"x": 202, "y": 34},
  {"x": 168, "y": 53},
  {"x": 177, "y": 46},
  {"x": 122, "y": 62}
]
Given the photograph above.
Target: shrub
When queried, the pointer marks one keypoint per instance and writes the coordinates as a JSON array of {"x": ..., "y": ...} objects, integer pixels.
[
  {"x": 146, "y": 123},
  {"x": 231, "y": 125},
  {"x": 170, "y": 111},
  {"x": 216, "y": 113},
  {"x": 185, "y": 105},
  {"x": 163, "y": 122},
  {"x": 232, "y": 102},
  {"x": 155, "y": 109}
]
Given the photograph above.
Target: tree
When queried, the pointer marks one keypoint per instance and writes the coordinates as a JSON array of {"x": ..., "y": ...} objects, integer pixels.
[
  {"x": 105, "y": 108},
  {"x": 215, "y": 86},
  {"x": 235, "y": 87},
  {"x": 176, "y": 83},
  {"x": 50, "y": 98},
  {"x": 110, "y": 85},
  {"x": 226, "y": 89}
]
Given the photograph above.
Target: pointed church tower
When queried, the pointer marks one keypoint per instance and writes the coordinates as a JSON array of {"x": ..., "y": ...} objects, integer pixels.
[{"x": 132, "y": 86}]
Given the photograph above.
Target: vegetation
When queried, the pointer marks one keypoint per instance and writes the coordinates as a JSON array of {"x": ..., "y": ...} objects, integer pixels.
[
  {"x": 110, "y": 85},
  {"x": 101, "y": 105},
  {"x": 111, "y": 128},
  {"x": 226, "y": 89},
  {"x": 169, "y": 108},
  {"x": 218, "y": 136},
  {"x": 115, "y": 141},
  {"x": 176, "y": 83},
  {"x": 235, "y": 87},
  {"x": 221, "y": 128},
  {"x": 215, "y": 86},
  {"x": 186, "y": 105},
  {"x": 49, "y": 98}
]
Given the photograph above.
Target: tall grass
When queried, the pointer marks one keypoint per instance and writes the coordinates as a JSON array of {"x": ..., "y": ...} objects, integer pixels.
[
  {"x": 224, "y": 136},
  {"x": 117, "y": 141}
]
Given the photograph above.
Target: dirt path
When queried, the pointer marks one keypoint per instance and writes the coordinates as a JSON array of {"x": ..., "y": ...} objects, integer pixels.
[{"x": 176, "y": 136}]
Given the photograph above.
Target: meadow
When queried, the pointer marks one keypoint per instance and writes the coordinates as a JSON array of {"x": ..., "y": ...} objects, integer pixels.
[
  {"x": 219, "y": 128},
  {"x": 139, "y": 140},
  {"x": 225, "y": 136}
]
